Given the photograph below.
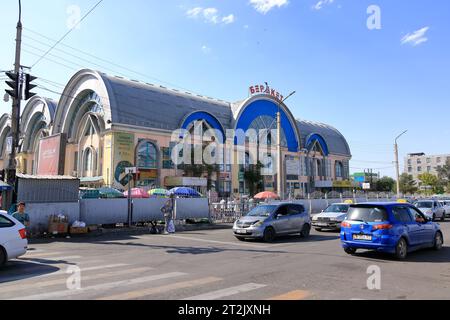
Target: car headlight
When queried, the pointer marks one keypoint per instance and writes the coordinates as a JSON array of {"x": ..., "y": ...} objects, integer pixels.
[{"x": 258, "y": 224}]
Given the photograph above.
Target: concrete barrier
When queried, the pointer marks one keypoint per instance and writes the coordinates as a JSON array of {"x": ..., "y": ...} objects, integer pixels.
[{"x": 192, "y": 209}]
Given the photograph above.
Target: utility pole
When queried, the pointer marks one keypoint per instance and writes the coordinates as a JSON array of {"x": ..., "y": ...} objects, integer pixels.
[
  {"x": 279, "y": 157},
  {"x": 15, "y": 116},
  {"x": 397, "y": 164}
]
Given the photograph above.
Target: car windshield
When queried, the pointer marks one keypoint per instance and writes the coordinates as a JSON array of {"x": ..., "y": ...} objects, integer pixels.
[
  {"x": 424, "y": 204},
  {"x": 367, "y": 214},
  {"x": 341, "y": 208},
  {"x": 262, "y": 211}
]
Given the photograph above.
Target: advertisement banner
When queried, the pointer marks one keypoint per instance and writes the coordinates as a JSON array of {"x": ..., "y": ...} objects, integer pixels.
[
  {"x": 124, "y": 157},
  {"x": 51, "y": 156}
]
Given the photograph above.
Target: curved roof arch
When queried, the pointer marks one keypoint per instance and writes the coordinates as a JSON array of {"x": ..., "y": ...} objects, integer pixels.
[
  {"x": 204, "y": 116},
  {"x": 266, "y": 105},
  {"x": 334, "y": 140},
  {"x": 5, "y": 130}
]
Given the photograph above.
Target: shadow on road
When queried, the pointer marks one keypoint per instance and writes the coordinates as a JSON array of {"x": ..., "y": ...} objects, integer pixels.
[
  {"x": 22, "y": 270},
  {"x": 427, "y": 255}
]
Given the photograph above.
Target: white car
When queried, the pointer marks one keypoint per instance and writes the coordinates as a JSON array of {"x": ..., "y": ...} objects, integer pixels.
[
  {"x": 432, "y": 209},
  {"x": 13, "y": 238},
  {"x": 331, "y": 218},
  {"x": 446, "y": 205}
]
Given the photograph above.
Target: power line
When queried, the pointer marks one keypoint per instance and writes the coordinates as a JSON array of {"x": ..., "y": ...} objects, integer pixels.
[
  {"x": 145, "y": 76},
  {"x": 67, "y": 33}
]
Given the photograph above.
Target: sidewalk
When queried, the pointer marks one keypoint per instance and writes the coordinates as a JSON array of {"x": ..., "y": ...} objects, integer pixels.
[{"x": 133, "y": 231}]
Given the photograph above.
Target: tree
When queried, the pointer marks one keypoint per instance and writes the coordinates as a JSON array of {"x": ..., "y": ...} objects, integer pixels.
[
  {"x": 444, "y": 175},
  {"x": 434, "y": 184},
  {"x": 385, "y": 184},
  {"x": 253, "y": 178},
  {"x": 407, "y": 184}
]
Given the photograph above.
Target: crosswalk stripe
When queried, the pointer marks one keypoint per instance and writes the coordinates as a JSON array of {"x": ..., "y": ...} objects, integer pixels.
[
  {"x": 104, "y": 286},
  {"x": 157, "y": 290},
  {"x": 27, "y": 276},
  {"x": 62, "y": 281},
  {"x": 291, "y": 296},
  {"x": 227, "y": 292},
  {"x": 52, "y": 259},
  {"x": 38, "y": 255}
]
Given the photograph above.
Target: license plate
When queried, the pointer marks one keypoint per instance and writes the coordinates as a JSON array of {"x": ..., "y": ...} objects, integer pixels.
[
  {"x": 362, "y": 237},
  {"x": 322, "y": 224},
  {"x": 241, "y": 231}
]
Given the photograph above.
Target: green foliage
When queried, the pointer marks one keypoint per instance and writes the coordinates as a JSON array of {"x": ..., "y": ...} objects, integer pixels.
[
  {"x": 385, "y": 184},
  {"x": 407, "y": 184}
]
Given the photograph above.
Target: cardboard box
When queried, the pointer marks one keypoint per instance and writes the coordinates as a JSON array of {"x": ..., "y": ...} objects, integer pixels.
[
  {"x": 74, "y": 230},
  {"x": 58, "y": 228}
]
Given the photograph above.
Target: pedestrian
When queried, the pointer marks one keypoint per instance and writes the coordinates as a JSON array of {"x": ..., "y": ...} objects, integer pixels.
[
  {"x": 167, "y": 210},
  {"x": 21, "y": 216}
]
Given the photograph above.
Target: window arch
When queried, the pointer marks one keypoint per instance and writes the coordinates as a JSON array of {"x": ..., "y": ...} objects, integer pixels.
[
  {"x": 89, "y": 162},
  {"x": 147, "y": 155},
  {"x": 339, "y": 169}
]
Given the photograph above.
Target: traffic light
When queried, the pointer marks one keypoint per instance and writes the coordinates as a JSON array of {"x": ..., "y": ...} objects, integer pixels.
[
  {"x": 28, "y": 86},
  {"x": 14, "y": 84}
]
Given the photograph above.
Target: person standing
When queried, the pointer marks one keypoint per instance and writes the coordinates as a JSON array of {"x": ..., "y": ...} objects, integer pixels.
[
  {"x": 167, "y": 210},
  {"x": 21, "y": 216}
]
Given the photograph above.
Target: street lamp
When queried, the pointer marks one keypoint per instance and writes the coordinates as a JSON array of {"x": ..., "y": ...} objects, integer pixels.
[
  {"x": 397, "y": 164},
  {"x": 279, "y": 160}
]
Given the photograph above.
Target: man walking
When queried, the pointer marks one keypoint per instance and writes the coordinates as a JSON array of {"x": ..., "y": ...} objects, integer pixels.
[{"x": 167, "y": 210}]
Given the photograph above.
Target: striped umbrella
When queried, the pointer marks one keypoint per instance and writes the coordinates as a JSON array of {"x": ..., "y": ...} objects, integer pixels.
[
  {"x": 266, "y": 195},
  {"x": 159, "y": 192}
]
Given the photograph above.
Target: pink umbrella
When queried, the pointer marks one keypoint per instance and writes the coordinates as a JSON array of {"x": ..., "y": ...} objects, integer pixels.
[{"x": 137, "y": 193}]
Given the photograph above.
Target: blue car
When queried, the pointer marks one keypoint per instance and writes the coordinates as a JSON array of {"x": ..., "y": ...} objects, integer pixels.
[{"x": 396, "y": 228}]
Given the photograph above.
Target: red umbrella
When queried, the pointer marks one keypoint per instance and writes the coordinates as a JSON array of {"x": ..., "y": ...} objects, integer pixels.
[
  {"x": 137, "y": 193},
  {"x": 266, "y": 195}
]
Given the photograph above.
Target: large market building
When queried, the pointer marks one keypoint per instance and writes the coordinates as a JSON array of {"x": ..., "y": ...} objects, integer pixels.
[{"x": 103, "y": 124}]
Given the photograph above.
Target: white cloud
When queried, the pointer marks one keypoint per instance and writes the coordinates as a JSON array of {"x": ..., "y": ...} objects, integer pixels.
[
  {"x": 210, "y": 15},
  {"x": 228, "y": 19},
  {"x": 206, "y": 49},
  {"x": 264, "y": 6},
  {"x": 416, "y": 38},
  {"x": 319, "y": 5}
]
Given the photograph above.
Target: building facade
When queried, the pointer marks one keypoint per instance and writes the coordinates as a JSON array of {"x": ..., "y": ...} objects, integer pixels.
[
  {"x": 419, "y": 163},
  {"x": 104, "y": 124}
]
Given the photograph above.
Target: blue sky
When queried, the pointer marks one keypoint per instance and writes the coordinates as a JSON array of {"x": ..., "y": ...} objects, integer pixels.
[{"x": 370, "y": 84}]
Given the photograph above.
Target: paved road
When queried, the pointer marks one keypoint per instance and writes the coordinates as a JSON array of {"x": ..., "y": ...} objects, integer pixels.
[{"x": 214, "y": 265}]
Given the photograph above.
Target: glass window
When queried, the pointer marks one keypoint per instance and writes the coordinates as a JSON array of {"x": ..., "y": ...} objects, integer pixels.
[
  {"x": 416, "y": 215},
  {"x": 341, "y": 208},
  {"x": 262, "y": 211},
  {"x": 87, "y": 161},
  {"x": 147, "y": 157},
  {"x": 296, "y": 209},
  {"x": 339, "y": 169},
  {"x": 5, "y": 222},
  {"x": 367, "y": 213},
  {"x": 402, "y": 214},
  {"x": 424, "y": 204}
]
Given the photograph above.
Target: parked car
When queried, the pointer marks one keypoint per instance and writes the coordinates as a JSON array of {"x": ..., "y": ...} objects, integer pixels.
[
  {"x": 331, "y": 218},
  {"x": 446, "y": 205},
  {"x": 432, "y": 209},
  {"x": 271, "y": 220},
  {"x": 389, "y": 227},
  {"x": 13, "y": 238}
]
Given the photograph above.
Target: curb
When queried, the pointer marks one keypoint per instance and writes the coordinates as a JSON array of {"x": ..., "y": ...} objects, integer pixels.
[{"x": 135, "y": 231}]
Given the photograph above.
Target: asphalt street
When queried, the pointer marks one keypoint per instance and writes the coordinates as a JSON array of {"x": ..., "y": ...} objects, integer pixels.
[{"x": 209, "y": 265}]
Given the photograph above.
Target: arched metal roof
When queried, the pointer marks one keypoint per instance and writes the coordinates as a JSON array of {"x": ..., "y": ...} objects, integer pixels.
[{"x": 336, "y": 142}]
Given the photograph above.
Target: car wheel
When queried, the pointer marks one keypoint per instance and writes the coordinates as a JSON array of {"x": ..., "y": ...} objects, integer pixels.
[
  {"x": 305, "y": 231},
  {"x": 269, "y": 235},
  {"x": 350, "y": 251},
  {"x": 2, "y": 257},
  {"x": 401, "y": 250},
  {"x": 438, "y": 241}
]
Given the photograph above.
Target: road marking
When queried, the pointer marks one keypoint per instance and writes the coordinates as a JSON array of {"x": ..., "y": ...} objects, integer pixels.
[
  {"x": 215, "y": 295},
  {"x": 213, "y": 241},
  {"x": 35, "y": 255},
  {"x": 157, "y": 290},
  {"x": 292, "y": 296},
  {"x": 53, "y": 259},
  {"x": 42, "y": 284},
  {"x": 105, "y": 286},
  {"x": 40, "y": 276}
]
